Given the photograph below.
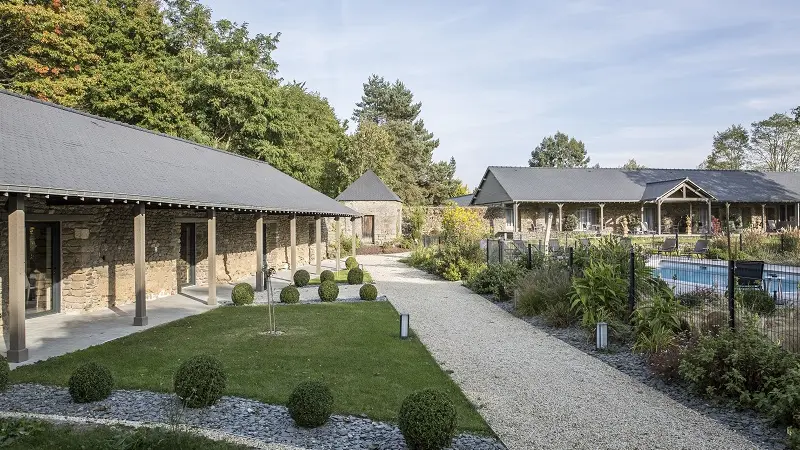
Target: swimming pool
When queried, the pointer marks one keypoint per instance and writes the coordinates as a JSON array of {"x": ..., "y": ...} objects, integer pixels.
[{"x": 715, "y": 274}]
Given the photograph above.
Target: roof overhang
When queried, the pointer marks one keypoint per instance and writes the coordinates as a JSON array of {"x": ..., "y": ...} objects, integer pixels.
[{"x": 665, "y": 191}]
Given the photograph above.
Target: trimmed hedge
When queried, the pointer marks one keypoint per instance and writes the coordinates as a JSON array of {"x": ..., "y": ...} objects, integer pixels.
[
  {"x": 310, "y": 404},
  {"x": 90, "y": 382},
  {"x": 368, "y": 292},
  {"x": 355, "y": 276},
  {"x": 427, "y": 420},
  {"x": 4, "y": 371},
  {"x": 243, "y": 294},
  {"x": 290, "y": 294},
  {"x": 328, "y": 291},
  {"x": 200, "y": 381},
  {"x": 301, "y": 278},
  {"x": 350, "y": 262},
  {"x": 327, "y": 275}
]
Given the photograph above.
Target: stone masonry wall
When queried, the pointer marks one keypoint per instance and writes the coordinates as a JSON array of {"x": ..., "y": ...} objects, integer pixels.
[{"x": 388, "y": 220}]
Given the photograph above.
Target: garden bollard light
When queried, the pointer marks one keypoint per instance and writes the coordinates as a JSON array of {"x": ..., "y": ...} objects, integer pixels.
[
  {"x": 602, "y": 335},
  {"x": 404, "y": 319}
]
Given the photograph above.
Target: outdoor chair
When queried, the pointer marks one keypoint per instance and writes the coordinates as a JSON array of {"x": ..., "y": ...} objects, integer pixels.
[
  {"x": 749, "y": 274},
  {"x": 553, "y": 246},
  {"x": 700, "y": 248},
  {"x": 771, "y": 226},
  {"x": 668, "y": 246},
  {"x": 642, "y": 228}
]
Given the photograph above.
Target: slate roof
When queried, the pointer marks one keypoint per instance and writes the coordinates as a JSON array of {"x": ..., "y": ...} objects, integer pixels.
[
  {"x": 463, "y": 200},
  {"x": 49, "y": 149},
  {"x": 657, "y": 189},
  {"x": 533, "y": 184},
  {"x": 368, "y": 187}
]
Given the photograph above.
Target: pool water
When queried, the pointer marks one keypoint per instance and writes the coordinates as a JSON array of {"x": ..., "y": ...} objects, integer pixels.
[{"x": 717, "y": 275}]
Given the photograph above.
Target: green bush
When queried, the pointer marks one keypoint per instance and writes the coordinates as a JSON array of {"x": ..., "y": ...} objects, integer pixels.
[
  {"x": 350, "y": 263},
  {"x": 453, "y": 260},
  {"x": 700, "y": 297},
  {"x": 758, "y": 301},
  {"x": 656, "y": 323},
  {"x": 301, "y": 278},
  {"x": 310, "y": 404},
  {"x": 347, "y": 244},
  {"x": 714, "y": 322},
  {"x": 427, "y": 420},
  {"x": 290, "y": 294},
  {"x": 559, "y": 314},
  {"x": 542, "y": 287},
  {"x": 368, "y": 292},
  {"x": 90, "y": 382},
  {"x": 355, "y": 276},
  {"x": 600, "y": 295},
  {"x": 570, "y": 222},
  {"x": 327, "y": 275},
  {"x": 4, "y": 371},
  {"x": 200, "y": 381},
  {"x": 328, "y": 291},
  {"x": 242, "y": 294},
  {"x": 782, "y": 399},
  {"x": 499, "y": 280}
]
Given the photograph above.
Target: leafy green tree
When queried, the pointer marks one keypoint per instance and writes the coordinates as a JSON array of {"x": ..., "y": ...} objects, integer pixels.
[
  {"x": 44, "y": 51},
  {"x": 440, "y": 183},
  {"x": 370, "y": 147},
  {"x": 559, "y": 150},
  {"x": 775, "y": 143},
  {"x": 730, "y": 149},
  {"x": 632, "y": 165},
  {"x": 796, "y": 113}
]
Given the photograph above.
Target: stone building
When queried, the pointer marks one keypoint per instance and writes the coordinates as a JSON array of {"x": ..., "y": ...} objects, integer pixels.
[
  {"x": 95, "y": 213},
  {"x": 662, "y": 201},
  {"x": 381, "y": 210}
]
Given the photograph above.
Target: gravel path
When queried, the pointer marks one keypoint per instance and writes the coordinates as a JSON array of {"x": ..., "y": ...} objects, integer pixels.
[{"x": 534, "y": 390}]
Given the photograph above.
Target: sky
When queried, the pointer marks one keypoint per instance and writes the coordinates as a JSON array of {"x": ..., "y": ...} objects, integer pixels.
[{"x": 630, "y": 78}]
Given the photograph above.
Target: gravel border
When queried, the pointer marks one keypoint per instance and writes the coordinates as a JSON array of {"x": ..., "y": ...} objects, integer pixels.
[
  {"x": 231, "y": 416},
  {"x": 747, "y": 422}
]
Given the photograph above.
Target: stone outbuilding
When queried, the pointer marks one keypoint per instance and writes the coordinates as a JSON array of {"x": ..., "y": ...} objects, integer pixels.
[{"x": 381, "y": 210}]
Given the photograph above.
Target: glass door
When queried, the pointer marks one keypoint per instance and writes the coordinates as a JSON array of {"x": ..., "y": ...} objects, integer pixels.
[
  {"x": 188, "y": 257},
  {"x": 42, "y": 268}
]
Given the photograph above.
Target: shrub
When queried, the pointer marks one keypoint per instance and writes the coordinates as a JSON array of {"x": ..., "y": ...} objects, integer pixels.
[
  {"x": 714, "y": 323},
  {"x": 368, "y": 292},
  {"x": 666, "y": 361},
  {"x": 310, "y": 404},
  {"x": 327, "y": 275},
  {"x": 782, "y": 399},
  {"x": 290, "y": 294},
  {"x": 242, "y": 294},
  {"x": 200, "y": 381},
  {"x": 570, "y": 222},
  {"x": 600, "y": 295},
  {"x": 699, "y": 297},
  {"x": 548, "y": 285},
  {"x": 90, "y": 382},
  {"x": 655, "y": 320},
  {"x": 328, "y": 291},
  {"x": 496, "y": 279},
  {"x": 427, "y": 420},
  {"x": 347, "y": 244},
  {"x": 758, "y": 301},
  {"x": 301, "y": 278},
  {"x": 559, "y": 314},
  {"x": 4, "y": 371},
  {"x": 350, "y": 263},
  {"x": 355, "y": 276}
]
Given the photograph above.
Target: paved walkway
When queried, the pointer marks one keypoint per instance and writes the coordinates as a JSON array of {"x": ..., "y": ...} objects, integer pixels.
[{"x": 533, "y": 389}]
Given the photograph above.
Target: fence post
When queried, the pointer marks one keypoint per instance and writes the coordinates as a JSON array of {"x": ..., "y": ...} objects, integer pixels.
[
  {"x": 540, "y": 246},
  {"x": 731, "y": 295},
  {"x": 530, "y": 256},
  {"x": 632, "y": 282},
  {"x": 571, "y": 259},
  {"x": 500, "y": 248},
  {"x": 740, "y": 241},
  {"x": 488, "y": 244}
]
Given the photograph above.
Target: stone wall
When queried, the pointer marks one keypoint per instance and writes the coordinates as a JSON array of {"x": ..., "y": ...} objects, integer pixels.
[
  {"x": 97, "y": 257},
  {"x": 388, "y": 220},
  {"x": 492, "y": 217}
]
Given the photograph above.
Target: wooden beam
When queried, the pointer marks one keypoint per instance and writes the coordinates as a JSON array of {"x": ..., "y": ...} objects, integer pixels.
[
  {"x": 516, "y": 219},
  {"x": 293, "y": 244},
  {"x": 211, "y": 217},
  {"x": 259, "y": 252},
  {"x": 658, "y": 218},
  {"x": 338, "y": 244},
  {"x": 191, "y": 219},
  {"x": 17, "y": 350},
  {"x": 560, "y": 217},
  {"x": 318, "y": 243},
  {"x": 602, "y": 217},
  {"x": 353, "y": 228},
  {"x": 139, "y": 274},
  {"x": 764, "y": 217}
]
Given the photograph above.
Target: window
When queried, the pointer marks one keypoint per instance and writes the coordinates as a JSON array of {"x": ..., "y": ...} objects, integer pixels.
[
  {"x": 587, "y": 217},
  {"x": 509, "y": 217}
]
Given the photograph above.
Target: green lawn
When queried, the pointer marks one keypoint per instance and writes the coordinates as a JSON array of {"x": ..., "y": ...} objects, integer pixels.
[
  {"x": 354, "y": 347},
  {"x": 28, "y": 434},
  {"x": 341, "y": 277}
]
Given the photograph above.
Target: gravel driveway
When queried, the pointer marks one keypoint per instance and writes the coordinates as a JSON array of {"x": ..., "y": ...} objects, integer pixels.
[{"x": 536, "y": 391}]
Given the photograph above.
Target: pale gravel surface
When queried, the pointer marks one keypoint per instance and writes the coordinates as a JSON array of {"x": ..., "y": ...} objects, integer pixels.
[{"x": 534, "y": 390}]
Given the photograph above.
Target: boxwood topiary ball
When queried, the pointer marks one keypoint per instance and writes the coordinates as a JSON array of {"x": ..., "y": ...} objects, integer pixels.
[
  {"x": 242, "y": 294},
  {"x": 368, "y": 292},
  {"x": 301, "y": 278},
  {"x": 350, "y": 262},
  {"x": 290, "y": 294},
  {"x": 310, "y": 404},
  {"x": 427, "y": 420},
  {"x": 90, "y": 382},
  {"x": 328, "y": 291},
  {"x": 327, "y": 275},
  {"x": 355, "y": 276},
  {"x": 200, "y": 381}
]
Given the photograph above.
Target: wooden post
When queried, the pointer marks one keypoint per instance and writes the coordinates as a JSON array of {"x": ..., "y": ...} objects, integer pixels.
[
  {"x": 259, "y": 252},
  {"x": 560, "y": 217},
  {"x": 338, "y": 244},
  {"x": 318, "y": 242},
  {"x": 689, "y": 228},
  {"x": 293, "y": 244},
  {"x": 709, "y": 229},
  {"x": 658, "y": 217},
  {"x": 602, "y": 217},
  {"x": 516, "y": 219},
  {"x": 764, "y": 216},
  {"x": 797, "y": 215},
  {"x": 139, "y": 275},
  {"x": 17, "y": 350},
  {"x": 353, "y": 227},
  {"x": 211, "y": 215},
  {"x": 641, "y": 215}
]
